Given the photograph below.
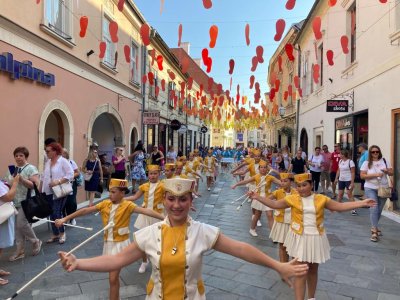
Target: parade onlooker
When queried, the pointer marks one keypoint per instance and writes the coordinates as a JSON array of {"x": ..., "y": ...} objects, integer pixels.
[
  {"x": 375, "y": 172},
  {"x": 7, "y": 228},
  {"x": 47, "y": 142},
  {"x": 57, "y": 171},
  {"x": 325, "y": 176},
  {"x": 286, "y": 157},
  {"x": 23, "y": 230},
  {"x": 118, "y": 160},
  {"x": 335, "y": 157},
  {"x": 92, "y": 166},
  {"x": 315, "y": 165},
  {"x": 345, "y": 176},
  {"x": 363, "y": 149},
  {"x": 171, "y": 155},
  {"x": 156, "y": 156},
  {"x": 298, "y": 165},
  {"x": 106, "y": 168},
  {"x": 138, "y": 172},
  {"x": 303, "y": 154},
  {"x": 70, "y": 204}
]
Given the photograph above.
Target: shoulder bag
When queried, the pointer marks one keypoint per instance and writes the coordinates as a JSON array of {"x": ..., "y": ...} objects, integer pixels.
[
  {"x": 88, "y": 176},
  {"x": 61, "y": 190},
  {"x": 388, "y": 192},
  {"x": 7, "y": 210},
  {"x": 36, "y": 206}
]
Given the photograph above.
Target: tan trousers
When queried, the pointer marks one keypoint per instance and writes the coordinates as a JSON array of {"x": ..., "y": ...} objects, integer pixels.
[{"x": 23, "y": 230}]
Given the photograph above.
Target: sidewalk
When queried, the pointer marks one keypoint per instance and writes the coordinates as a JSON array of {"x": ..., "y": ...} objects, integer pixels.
[{"x": 358, "y": 269}]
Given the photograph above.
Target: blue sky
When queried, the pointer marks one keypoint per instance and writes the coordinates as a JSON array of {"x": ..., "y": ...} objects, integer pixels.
[{"x": 231, "y": 17}]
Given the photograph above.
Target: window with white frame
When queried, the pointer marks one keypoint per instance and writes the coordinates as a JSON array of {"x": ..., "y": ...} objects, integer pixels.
[
  {"x": 152, "y": 87},
  {"x": 58, "y": 17},
  {"x": 352, "y": 12},
  {"x": 135, "y": 66},
  {"x": 171, "y": 87},
  {"x": 109, "y": 56}
]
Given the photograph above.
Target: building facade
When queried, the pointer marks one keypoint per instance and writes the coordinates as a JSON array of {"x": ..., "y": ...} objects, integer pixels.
[{"x": 58, "y": 83}]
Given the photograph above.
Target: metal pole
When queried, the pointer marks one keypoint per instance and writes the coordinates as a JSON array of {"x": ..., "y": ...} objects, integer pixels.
[{"x": 144, "y": 62}]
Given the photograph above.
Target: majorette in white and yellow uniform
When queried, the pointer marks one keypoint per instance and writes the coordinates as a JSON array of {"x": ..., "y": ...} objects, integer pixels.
[
  {"x": 176, "y": 252},
  {"x": 117, "y": 237},
  {"x": 282, "y": 217},
  {"x": 210, "y": 164},
  {"x": 306, "y": 239},
  {"x": 153, "y": 194},
  {"x": 264, "y": 189}
]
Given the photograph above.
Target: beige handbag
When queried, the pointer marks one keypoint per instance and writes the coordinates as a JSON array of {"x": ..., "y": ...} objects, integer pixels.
[
  {"x": 384, "y": 192},
  {"x": 6, "y": 211}
]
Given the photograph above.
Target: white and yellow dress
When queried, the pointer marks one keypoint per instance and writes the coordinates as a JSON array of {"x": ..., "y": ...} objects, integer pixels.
[
  {"x": 306, "y": 239},
  {"x": 264, "y": 190},
  {"x": 209, "y": 162},
  {"x": 176, "y": 255},
  {"x": 282, "y": 217},
  {"x": 153, "y": 194},
  {"x": 116, "y": 238}
]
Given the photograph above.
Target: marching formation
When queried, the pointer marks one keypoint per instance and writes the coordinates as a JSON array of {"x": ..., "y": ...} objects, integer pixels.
[{"x": 174, "y": 243}]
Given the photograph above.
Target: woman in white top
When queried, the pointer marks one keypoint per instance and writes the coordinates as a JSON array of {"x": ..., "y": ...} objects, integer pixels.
[
  {"x": 315, "y": 165},
  {"x": 375, "y": 172},
  {"x": 176, "y": 247},
  {"x": 345, "y": 176},
  {"x": 171, "y": 156},
  {"x": 57, "y": 171},
  {"x": 7, "y": 228}
]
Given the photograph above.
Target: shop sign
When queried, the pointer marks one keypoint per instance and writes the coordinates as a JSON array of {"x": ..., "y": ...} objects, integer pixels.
[
  {"x": 337, "y": 105},
  {"x": 175, "y": 124},
  {"x": 344, "y": 123},
  {"x": 151, "y": 117},
  {"x": 24, "y": 69},
  {"x": 183, "y": 129},
  {"x": 203, "y": 129},
  {"x": 240, "y": 137}
]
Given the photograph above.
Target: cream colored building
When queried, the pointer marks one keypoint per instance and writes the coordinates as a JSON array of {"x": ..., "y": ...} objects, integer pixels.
[{"x": 365, "y": 77}]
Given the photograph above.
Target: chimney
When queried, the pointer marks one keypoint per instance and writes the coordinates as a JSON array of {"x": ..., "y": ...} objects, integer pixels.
[
  {"x": 186, "y": 46},
  {"x": 197, "y": 61}
]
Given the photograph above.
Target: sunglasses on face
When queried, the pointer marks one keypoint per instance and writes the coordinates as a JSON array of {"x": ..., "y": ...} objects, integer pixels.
[{"x": 375, "y": 152}]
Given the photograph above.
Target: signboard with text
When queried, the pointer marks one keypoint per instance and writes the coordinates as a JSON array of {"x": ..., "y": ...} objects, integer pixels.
[
  {"x": 337, "y": 106},
  {"x": 151, "y": 117}
]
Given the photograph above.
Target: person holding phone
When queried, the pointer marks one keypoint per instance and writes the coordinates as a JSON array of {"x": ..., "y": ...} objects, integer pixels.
[{"x": 28, "y": 175}]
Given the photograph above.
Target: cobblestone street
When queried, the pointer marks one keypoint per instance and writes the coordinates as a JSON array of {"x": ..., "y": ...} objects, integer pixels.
[{"x": 358, "y": 269}]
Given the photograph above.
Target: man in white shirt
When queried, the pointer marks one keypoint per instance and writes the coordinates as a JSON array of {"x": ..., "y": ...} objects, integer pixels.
[{"x": 315, "y": 164}]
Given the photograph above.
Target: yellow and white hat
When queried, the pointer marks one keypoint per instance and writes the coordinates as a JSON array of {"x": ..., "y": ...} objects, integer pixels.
[
  {"x": 153, "y": 167},
  {"x": 119, "y": 183},
  {"x": 179, "y": 186},
  {"x": 299, "y": 178},
  {"x": 262, "y": 163},
  {"x": 256, "y": 152},
  {"x": 169, "y": 166},
  {"x": 183, "y": 157},
  {"x": 286, "y": 175}
]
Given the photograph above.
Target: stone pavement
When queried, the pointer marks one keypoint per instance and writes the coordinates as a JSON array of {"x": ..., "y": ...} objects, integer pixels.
[{"x": 358, "y": 269}]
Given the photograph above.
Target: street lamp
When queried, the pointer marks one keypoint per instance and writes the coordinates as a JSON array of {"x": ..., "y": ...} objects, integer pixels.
[{"x": 282, "y": 111}]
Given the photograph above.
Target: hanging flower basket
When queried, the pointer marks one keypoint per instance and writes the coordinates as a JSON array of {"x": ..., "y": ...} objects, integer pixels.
[{"x": 286, "y": 130}]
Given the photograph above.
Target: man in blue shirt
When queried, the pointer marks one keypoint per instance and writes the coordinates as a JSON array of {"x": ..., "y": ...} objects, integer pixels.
[{"x": 363, "y": 149}]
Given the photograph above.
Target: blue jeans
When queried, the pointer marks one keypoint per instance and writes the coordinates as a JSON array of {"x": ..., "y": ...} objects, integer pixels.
[
  {"x": 58, "y": 206},
  {"x": 375, "y": 212}
]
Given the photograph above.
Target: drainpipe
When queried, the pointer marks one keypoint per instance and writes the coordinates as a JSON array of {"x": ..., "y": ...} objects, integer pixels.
[
  {"x": 144, "y": 63},
  {"x": 298, "y": 100}
]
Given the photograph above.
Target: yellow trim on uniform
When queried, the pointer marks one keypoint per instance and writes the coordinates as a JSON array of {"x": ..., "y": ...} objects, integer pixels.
[
  {"x": 279, "y": 195},
  {"x": 158, "y": 205}
]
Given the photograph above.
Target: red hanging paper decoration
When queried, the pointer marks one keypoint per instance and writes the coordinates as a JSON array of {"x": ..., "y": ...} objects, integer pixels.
[
  {"x": 207, "y": 4},
  {"x": 121, "y": 5},
  {"x": 221, "y": 100},
  {"x": 113, "y": 28},
  {"x": 290, "y": 89},
  {"x": 145, "y": 34},
  {"x": 254, "y": 63},
  {"x": 271, "y": 94},
  {"x": 157, "y": 91},
  {"x": 257, "y": 95},
  {"x": 247, "y": 34},
  {"x": 316, "y": 75},
  {"x": 102, "y": 48},
  {"x": 210, "y": 84},
  {"x": 150, "y": 76},
  {"x": 83, "y": 22},
  {"x": 161, "y": 6},
  {"x": 259, "y": 54},
  {"x": 277, "y": 85},
  {"x": 171, "y": 74},
  {"x": 329, "y": 56},
  {"x": 179, "y": 34},
  {"x": 37, "y": 1},
  {"x": 383, "y": 1},
  {"x": 280, "y": 28},
  {"x": 206, "y": 60},
  {"x": 219, "y": 89},
  {"x": 153, "y": 56},
  {"x": 163, "y": 85},
  {"x": 317, "y": 28},
  {"x": 127, "y": 52},
  {"x": 344, "y": 41},
  {"x": 285, "y": 95},
  {"x": 144, "y": 79},
  {"x": 183, "y": 85},
  {"x": 332, "y": 3},
  {"x": 289, "y": 51},
  {"x": 213, "y": 35},
  {"x": 190, "y": 83},
  {"x": 296, "y": 81},
  {"x": 252, "y": 78},
  {"x": 280, "y": 63},
  {"x": 160, "y": 60},
  {"x": 231, "y": 66},
  {"x": 290, "y": 4}
]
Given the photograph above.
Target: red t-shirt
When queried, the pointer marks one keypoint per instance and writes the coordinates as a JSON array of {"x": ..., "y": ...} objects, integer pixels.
[{"x": 335, "y": 161}]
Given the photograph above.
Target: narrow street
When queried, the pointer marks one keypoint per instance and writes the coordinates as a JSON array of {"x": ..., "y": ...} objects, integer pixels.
[{"x": 358, "y": 269}]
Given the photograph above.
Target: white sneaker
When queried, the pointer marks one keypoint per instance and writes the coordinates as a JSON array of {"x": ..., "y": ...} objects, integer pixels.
[
  {"x": 209, "y": 189},
  {"x": 143, "y": 266},
  {"x": 73, "y": 222},
  {"x": 253, "y": 232},
  {"x": 259, "y": 223},
  {"x": 249, "y": 200}
]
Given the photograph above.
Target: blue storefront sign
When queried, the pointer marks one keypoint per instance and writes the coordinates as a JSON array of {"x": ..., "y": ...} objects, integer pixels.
[{"x": 24, "y": 69}]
